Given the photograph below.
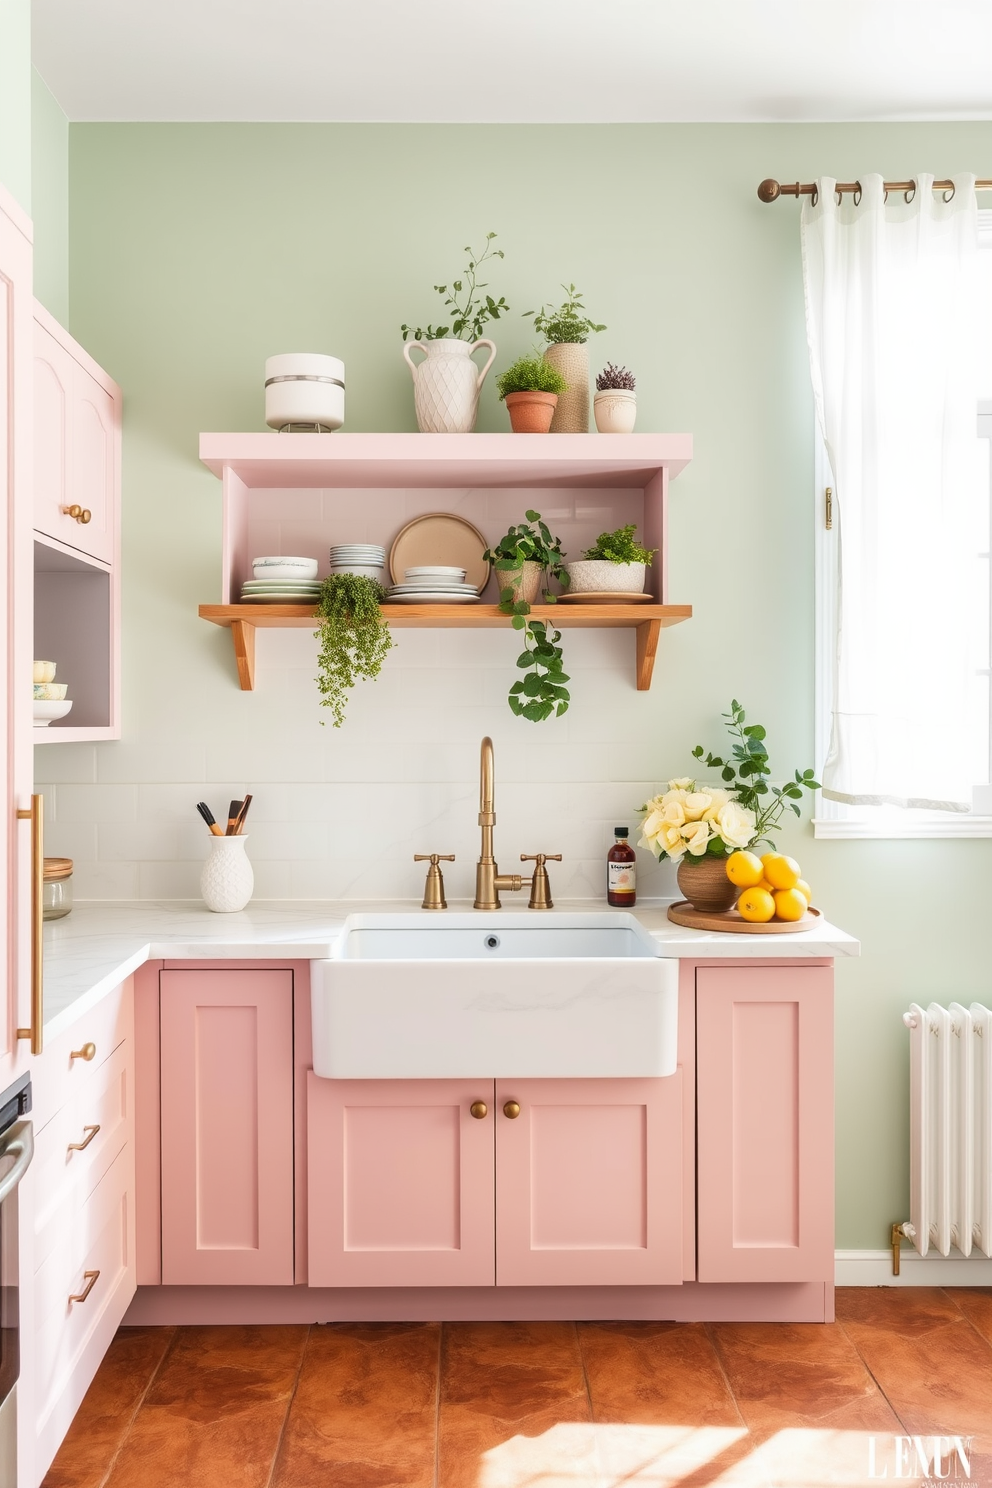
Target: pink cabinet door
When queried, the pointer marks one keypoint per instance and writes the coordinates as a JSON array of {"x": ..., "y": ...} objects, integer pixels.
[
  {"x": 589, "y": 1182},
  {"x": 400, "y": 1182},
  {"x": 53, "y": 392},
  {"x": 765, "y": 1124},
  {"x": 227, "y": 1127}
]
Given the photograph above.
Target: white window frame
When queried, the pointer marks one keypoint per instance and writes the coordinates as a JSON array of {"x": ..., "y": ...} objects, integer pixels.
[{"x": 834, "y": 818}]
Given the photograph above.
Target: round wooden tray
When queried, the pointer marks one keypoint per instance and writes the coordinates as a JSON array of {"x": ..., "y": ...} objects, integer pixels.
[{"x": 683, "y": 913}]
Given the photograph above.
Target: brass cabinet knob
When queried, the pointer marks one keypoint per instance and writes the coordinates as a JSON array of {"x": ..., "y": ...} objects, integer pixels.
[
  {"x": 512, "y": 1110},
  {"x": 479, "y": 1110},
  {"x": 78, "y": 513},
  {"x": 85, "y": 516},
  {"x": 87, "y": 1052}
]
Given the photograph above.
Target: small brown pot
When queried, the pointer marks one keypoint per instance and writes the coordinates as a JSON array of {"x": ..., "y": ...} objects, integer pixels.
[
  {"x": 705, "y": 884},
  {"x": 525, "y": 583},
  {"x": 531, "y": 412}
]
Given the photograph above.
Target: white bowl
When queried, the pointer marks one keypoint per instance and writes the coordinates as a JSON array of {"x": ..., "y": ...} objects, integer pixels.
[
  {"x": 50, "y": 692},
  {"x": 47, "y": 712},
  {"x": 284, "y": 568},
  {"x": 360, "y": 570},
  {"x": 44, "y": 671}
]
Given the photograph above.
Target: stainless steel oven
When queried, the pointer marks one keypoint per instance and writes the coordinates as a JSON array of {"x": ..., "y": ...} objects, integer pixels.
[{"x": 16, "y": 1152}]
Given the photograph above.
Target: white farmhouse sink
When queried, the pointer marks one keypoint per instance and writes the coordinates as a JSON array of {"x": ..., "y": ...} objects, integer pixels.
[{"x": 504, "y": 995}]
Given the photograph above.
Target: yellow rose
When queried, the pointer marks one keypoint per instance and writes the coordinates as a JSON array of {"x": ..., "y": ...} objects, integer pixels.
[
  {"x": 696, "y": 802},
  {"x": 674, "y": 814},
  {"x": 685, "y": 784},
  {"x": 718, "y": 799},
  {"x": 736, "y": 824},
  {"x": 671, "y": 841},
  {"x": 696, "y": 835}
]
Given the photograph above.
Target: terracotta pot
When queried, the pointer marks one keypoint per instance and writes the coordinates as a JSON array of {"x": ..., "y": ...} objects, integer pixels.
[
  {"x": 705, "y": 884},
  {"x": 571, "y": 359},
  {"x": 532, "y": 412},
  {"x": 526, "y": 584}
]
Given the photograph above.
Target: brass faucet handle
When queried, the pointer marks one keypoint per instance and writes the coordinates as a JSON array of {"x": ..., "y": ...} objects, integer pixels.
[
  {"x": 434, "y": 887},
  {"x": 540, "y": 884}
]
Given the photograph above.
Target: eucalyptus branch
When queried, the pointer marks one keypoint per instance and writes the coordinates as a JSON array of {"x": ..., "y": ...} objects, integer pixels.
[{"x": 746, "y": 774}]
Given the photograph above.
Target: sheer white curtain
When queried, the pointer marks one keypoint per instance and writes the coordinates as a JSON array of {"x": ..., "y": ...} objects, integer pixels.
[{"x": 892, "y": 324}]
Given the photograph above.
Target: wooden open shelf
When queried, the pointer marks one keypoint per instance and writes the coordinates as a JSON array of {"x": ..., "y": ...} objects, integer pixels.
[{"x": 647, "y": 620}]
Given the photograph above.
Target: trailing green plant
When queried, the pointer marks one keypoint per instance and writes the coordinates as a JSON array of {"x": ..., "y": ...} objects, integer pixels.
[
  {"x": 746, "y": 775},
  {"x": 615, "y": 378},
  {"x": 530, "y": 374},
  {"x": 620, "y": 547},
  {"x": 566, "y": 322},
  {"x": 470, "y": 310},
  {"x": 543, "y": 691},
  {"x": 353, "y": 636}
]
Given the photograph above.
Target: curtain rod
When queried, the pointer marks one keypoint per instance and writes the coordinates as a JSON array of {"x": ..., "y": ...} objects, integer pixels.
[{"x": 770, "y": 190}]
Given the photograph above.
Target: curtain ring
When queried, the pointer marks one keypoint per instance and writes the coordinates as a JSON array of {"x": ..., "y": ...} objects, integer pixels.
[
  {"x": 857, "y": 193},
  {"x": 948, "y": 195},
  {"x": 838, "y": 198},
  {"x": 909, "y": 196},
  {"x": 815, "y": 196},
  {"x": 885, "y": 198}
]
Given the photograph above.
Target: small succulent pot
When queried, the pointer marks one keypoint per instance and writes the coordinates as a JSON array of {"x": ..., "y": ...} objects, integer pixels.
[
  {"x": 227, "y": 882},
  {"x": 531, "y": 412},
  {"x": 600, "y": 576},
  {"x": 525, "y": 584},
  {"x": 615, "y": 411},
  {"x": 705, "y": 884}
]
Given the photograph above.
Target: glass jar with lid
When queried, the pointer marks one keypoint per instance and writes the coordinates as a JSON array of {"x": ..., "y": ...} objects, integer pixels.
[{"x": 57, "y": 892}]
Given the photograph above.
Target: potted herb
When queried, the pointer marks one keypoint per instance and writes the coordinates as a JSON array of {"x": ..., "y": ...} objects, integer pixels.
[
  {"x": 446, "y": 384},
  {"x": 353, "y": 636},
  {"x": 615, "y": 403},
  {"x": 567, "y": 328},
  {"x": 520, "y": 558},
  {"x": 530, "y": 388},
  {"x": 615, "y": 564}
]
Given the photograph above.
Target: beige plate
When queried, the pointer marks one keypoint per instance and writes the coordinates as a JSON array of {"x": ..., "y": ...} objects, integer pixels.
[
  {"x": 600, "y": 596},
  {"x": 683, "y": 913},
  {"x": 440, "y": 539}
]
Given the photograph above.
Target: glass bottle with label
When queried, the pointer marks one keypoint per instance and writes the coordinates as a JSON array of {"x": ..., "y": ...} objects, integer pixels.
[{"x": 621, "y": 871}]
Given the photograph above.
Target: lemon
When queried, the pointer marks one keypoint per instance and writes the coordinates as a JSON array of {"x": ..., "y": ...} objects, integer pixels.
[
  {"x": 764, "y": 884},
  {"x": 757, "y": 905},
  {"x": 790, "y": 904},
  {"x": 805, "y": 890},
  {"x": 780, "y": 871},
  {"x": 744, "y": 869}
]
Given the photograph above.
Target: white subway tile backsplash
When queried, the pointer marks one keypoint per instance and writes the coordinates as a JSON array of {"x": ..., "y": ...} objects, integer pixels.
[{"x": 95, "y": 803}]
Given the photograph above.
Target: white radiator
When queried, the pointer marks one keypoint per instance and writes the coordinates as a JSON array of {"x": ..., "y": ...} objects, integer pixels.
[{"x": 950, "y": 1141}]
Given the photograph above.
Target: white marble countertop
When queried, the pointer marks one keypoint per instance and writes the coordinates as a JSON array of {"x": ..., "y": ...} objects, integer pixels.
[{"x": 99, "y": 944}]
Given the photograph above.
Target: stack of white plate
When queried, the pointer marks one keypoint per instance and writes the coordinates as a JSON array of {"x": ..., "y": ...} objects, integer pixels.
[
  {"x": 435, "y": 584},
  {"x": 366, "y": 560},
  {"x": 279, "y": 580}
]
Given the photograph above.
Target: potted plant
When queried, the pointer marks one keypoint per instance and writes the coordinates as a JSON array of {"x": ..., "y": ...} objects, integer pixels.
[
  {"x": 615, "y": 403},
  {"x": 446, "y": 384},
  {"x": 530, "y": 388},
  {"x": 567, "y": 328},
  {"x": 353, "y": 636},
  {"x": 520, "y": 558},
  {"x": 615, "y": 564},
  {"x": 700, "y": 826}
]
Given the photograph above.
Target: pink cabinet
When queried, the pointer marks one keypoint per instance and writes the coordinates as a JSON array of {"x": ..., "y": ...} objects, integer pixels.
[
  {"x": 400, "y": 1182},
  {"x": 227, "y": 1127},
  {"x": 765, "y": 1125},
  {"x": 588, "y": 1182}
]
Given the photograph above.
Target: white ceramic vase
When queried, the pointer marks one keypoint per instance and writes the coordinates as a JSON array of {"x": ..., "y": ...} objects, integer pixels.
[
  {"x": 615, "y": 410},
  {"x": 227, "y": 881},
  {"x": 446, "y": 384},
  {"x": 571, "y": 359}
]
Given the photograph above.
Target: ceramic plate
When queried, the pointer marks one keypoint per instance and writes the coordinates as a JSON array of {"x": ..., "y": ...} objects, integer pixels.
[
  {"x": 432, "y": 596},
  {"x": 291, "y": 596},
  {"x": 440, "y": 539},
  {"x": 599, "y": 596}
]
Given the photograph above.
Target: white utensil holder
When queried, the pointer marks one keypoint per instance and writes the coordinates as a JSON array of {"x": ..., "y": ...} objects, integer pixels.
[{"x": 227, "y": 881}]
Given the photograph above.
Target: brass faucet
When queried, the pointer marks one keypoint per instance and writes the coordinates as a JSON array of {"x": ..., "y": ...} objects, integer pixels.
[{"x": 488, "y": 879}]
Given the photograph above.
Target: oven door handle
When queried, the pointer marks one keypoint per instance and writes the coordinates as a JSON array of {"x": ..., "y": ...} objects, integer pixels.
[{"x": 20, "y": 1146}]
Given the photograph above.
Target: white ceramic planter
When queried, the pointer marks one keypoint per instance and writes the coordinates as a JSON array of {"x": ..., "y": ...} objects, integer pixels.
[
  {"x": 615, "y": 411},
  {"x": 599, "y": 576},
  {"x": 446, "y": 384},
  {"x": 304, "y": 388},
  {"x": 571, "y": 359},
  {"x": 227, "y": 881}
]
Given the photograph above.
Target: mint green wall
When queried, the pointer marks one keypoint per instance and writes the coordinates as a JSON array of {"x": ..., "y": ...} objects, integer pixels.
[
  {"x": 50, "y": 199},
  {"x": 198, "y": 250},
  {"x": 15, "y": 99}
]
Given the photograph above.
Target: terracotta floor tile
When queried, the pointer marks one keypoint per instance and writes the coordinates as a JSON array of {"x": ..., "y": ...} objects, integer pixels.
[
  {"x": 909, "y": 1311},
  {"x": 365, "y": 1410},
  {"x": 215, "y": 1412},
  {"x": 976, "y": 1304},
  {"x": 655, "y": 1374},
  {"x": 800, "y": 1374},
  {"x": 105, "y": 1415},
  {"x": 503, "y": 1381}
]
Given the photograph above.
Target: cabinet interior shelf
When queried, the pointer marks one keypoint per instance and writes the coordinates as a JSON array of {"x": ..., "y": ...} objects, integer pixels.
[{"x": 647, "y": 620}]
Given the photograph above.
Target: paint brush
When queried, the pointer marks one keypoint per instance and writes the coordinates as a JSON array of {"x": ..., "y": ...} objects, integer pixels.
[{"x": 208, "y": 817}]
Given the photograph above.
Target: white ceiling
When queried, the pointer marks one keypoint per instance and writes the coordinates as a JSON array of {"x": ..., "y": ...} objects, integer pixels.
[{"x": 502, "y": 61}]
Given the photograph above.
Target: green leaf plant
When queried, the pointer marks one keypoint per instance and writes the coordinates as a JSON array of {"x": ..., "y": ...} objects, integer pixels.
[
  {"x": 619, "y": 547},
  {"x": 746, "y": 775},
  {"x": 566, "y": 322},
  {"x": 543, "y": 691},
  {"x": 470, "y": 310},
  {"x": 530, "y": 374},
  {"x": 354, "y": 638}
]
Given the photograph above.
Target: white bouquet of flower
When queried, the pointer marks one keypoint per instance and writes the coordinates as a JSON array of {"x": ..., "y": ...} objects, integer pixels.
[{"x": 695, "y": 819}]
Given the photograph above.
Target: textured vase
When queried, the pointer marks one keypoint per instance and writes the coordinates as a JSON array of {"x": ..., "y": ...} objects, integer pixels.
[
  {"x": 615, "y": 411},
  {"x": 571, "y": 359},
  {"x": 531, "y": 413},
  {"x": 526, "y": 584},
  {"x": 600, "y": 576},
  {"x": 705, "y": 884},
  {"x": 446, "y": 384},
  {"x": 227, "y": 881}
]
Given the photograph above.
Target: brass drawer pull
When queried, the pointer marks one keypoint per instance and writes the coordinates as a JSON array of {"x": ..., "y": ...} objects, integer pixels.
[
  {"x": 90, "y": 1278},
  {"x": 479, "y": 1110},
  {"x": 82, "y": 1146},
  {"x": 87, "y": 1052},
  {"x": 512, "y": 1110},
  {"x": 78, "y": 513},
  {"x": 36, "y": 816}
]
